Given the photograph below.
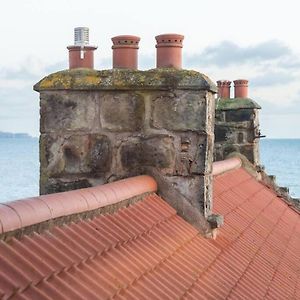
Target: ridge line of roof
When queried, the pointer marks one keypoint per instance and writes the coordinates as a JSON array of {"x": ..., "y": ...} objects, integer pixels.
[
  {"x": 222, "y": 166},
  {"x": 22, "y": 213}
]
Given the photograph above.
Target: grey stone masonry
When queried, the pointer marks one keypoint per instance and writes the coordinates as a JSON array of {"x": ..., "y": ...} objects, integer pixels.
[
  {"x": 101, "y": 126},
  {"x": 237, "y": 128}
]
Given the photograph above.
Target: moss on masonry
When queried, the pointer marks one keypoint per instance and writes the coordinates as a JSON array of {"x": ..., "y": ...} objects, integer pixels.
[
  {"x": 120, "y": 79},
  {"x": 236, "y": 103}
]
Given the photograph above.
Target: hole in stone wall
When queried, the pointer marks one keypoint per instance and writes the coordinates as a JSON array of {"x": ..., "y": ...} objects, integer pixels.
[
  {"x": 240, "y": 137},
  {"x": 72, "y": 160}
]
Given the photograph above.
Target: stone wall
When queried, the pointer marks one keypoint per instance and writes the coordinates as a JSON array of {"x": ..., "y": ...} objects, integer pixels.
[
  {"x": 237, "y": 129},
  {"x": 101, "y": 126}
]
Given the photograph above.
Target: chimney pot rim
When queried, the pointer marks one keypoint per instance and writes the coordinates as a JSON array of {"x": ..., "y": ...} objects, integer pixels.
[
  {"x": 170, "y": 35},
  {"x": 84, "y": 47},
  {"x": 241, "y": 81},
  {"x": 125, "y": 37},
  {"x": 169, "y": 40},
  {"x": 224, "y": 82}
]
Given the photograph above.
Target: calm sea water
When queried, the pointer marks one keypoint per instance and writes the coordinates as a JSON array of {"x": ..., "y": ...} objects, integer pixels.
[
  {"x": 19, "y": 165},
  {"x": 19, "y": 168},
  {"x": 281, "y": 157}
]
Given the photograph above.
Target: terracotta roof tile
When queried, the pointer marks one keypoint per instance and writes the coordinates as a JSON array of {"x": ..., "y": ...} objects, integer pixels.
[
  {"x": 146, "y": 251},
  {"x": 22, "y": 213}
]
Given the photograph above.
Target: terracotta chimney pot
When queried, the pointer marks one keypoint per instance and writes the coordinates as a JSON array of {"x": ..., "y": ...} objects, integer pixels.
[
  {"x": 81, "y": 54},
  {"x": 241, "y": 88},
  {"x": 169, "y": 50},
  {"x": 224, "y": 88},
  {"x": 125, "y": 51}
]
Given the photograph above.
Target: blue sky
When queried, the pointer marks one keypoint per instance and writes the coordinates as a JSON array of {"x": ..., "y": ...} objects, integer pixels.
[{"x": 232, "y": 39}]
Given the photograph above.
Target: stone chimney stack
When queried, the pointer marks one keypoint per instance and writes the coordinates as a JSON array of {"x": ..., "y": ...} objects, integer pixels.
[
  {"x": 237, "y": 122},
  {"x": 169, "y": 51},
  {"x": 240, "y": 88},
  {"x": 125, "y": 52},
  {"x": 101, "y": 126},
  {"x": 81, "y": 54},
  {"x": 224, "y": 88}
]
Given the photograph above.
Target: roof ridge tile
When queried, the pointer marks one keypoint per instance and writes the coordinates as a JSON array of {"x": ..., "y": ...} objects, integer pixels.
[{"x": 22, "y": 213}]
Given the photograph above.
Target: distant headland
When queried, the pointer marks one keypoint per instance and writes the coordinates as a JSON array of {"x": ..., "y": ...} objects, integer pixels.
[{"x": 14, "y": 135}]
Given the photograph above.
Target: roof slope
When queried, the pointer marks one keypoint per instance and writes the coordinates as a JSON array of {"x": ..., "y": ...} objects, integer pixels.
[
  {"x": 146, "y": 251},
  {"x": 260, "y": 242}
]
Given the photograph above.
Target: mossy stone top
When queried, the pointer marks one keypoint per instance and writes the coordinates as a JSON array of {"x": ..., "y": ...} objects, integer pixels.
[
  {"x": 236, "y": 103},
  {"x": 123, "y": 79}
]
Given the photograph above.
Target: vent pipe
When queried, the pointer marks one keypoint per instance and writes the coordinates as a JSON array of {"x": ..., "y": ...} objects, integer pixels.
[{"x": 81, "y": 54}]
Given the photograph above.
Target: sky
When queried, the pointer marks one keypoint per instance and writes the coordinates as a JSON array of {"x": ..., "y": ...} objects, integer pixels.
[{"x": 255, "y": 40}]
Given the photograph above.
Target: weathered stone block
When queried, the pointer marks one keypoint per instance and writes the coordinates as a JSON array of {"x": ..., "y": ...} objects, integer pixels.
[
  {"x": 221, "y": 133},
  {"x": 155, "y": 151},
  {"x": 122, "y": 112},
  {"x": 216, "y": 221},
  {"x": 100, "y": 154},
  {"x": 248, "y": 151},
  {"x": 196, "y": 189},
  {"x": 181, "y": 111},
  {"x": 193, "y": 155},
  {"x": 202, "y": 162},
  {"x": 220, "y": 116},
  {"x": 239, "y": 115},
  {"x": 57, "y": 185},
  {"x": 70, "y": 111},
  {"x": 75, "y": 154},
  {"x": 229, "y": 148}
]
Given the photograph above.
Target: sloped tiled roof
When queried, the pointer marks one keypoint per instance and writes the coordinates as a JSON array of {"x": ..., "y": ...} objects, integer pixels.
[{"x": 146, "y": 251}]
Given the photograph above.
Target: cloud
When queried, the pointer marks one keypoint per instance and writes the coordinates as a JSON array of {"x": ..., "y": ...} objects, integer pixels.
[
  {"x": 291, "y": 62},
  {"x": 272, "y": 78},
  {"x": 228, "y": 53},
  {"x": 30, "y": 70}
]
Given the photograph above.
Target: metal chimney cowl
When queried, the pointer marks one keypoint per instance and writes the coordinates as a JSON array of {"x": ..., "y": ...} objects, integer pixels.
[{"x": 81, "y": 54}]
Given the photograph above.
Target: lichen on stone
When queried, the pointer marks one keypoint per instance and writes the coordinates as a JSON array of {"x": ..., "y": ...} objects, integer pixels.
[
  {"x": 123, "y": 79},
  {"x": 236, "y": 103}
]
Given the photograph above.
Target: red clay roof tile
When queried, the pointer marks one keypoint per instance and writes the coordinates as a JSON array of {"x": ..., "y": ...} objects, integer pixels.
[
  {"x": 223, "y": 166},
  {"x": 9, "y": 219},
  {"x": 22, "y": 213},
  {"x": 146, "y": 251}
]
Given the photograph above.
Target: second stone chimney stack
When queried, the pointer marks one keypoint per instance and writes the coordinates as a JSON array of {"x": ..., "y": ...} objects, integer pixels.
[
  {"x": 224, "y": 88},
  {"x": 81, "y": 54},
  {"x": 125, "y": 52},
  {"x": 169, "y": 51},
  {"x": 240, "y": 88}
]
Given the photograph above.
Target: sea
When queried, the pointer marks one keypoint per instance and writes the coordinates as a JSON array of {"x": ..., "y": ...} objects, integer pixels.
[{"x": 19, "y": 165}]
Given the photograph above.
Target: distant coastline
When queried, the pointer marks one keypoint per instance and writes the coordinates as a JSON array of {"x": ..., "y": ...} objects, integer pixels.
[{"x": 14, "y": 135}]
